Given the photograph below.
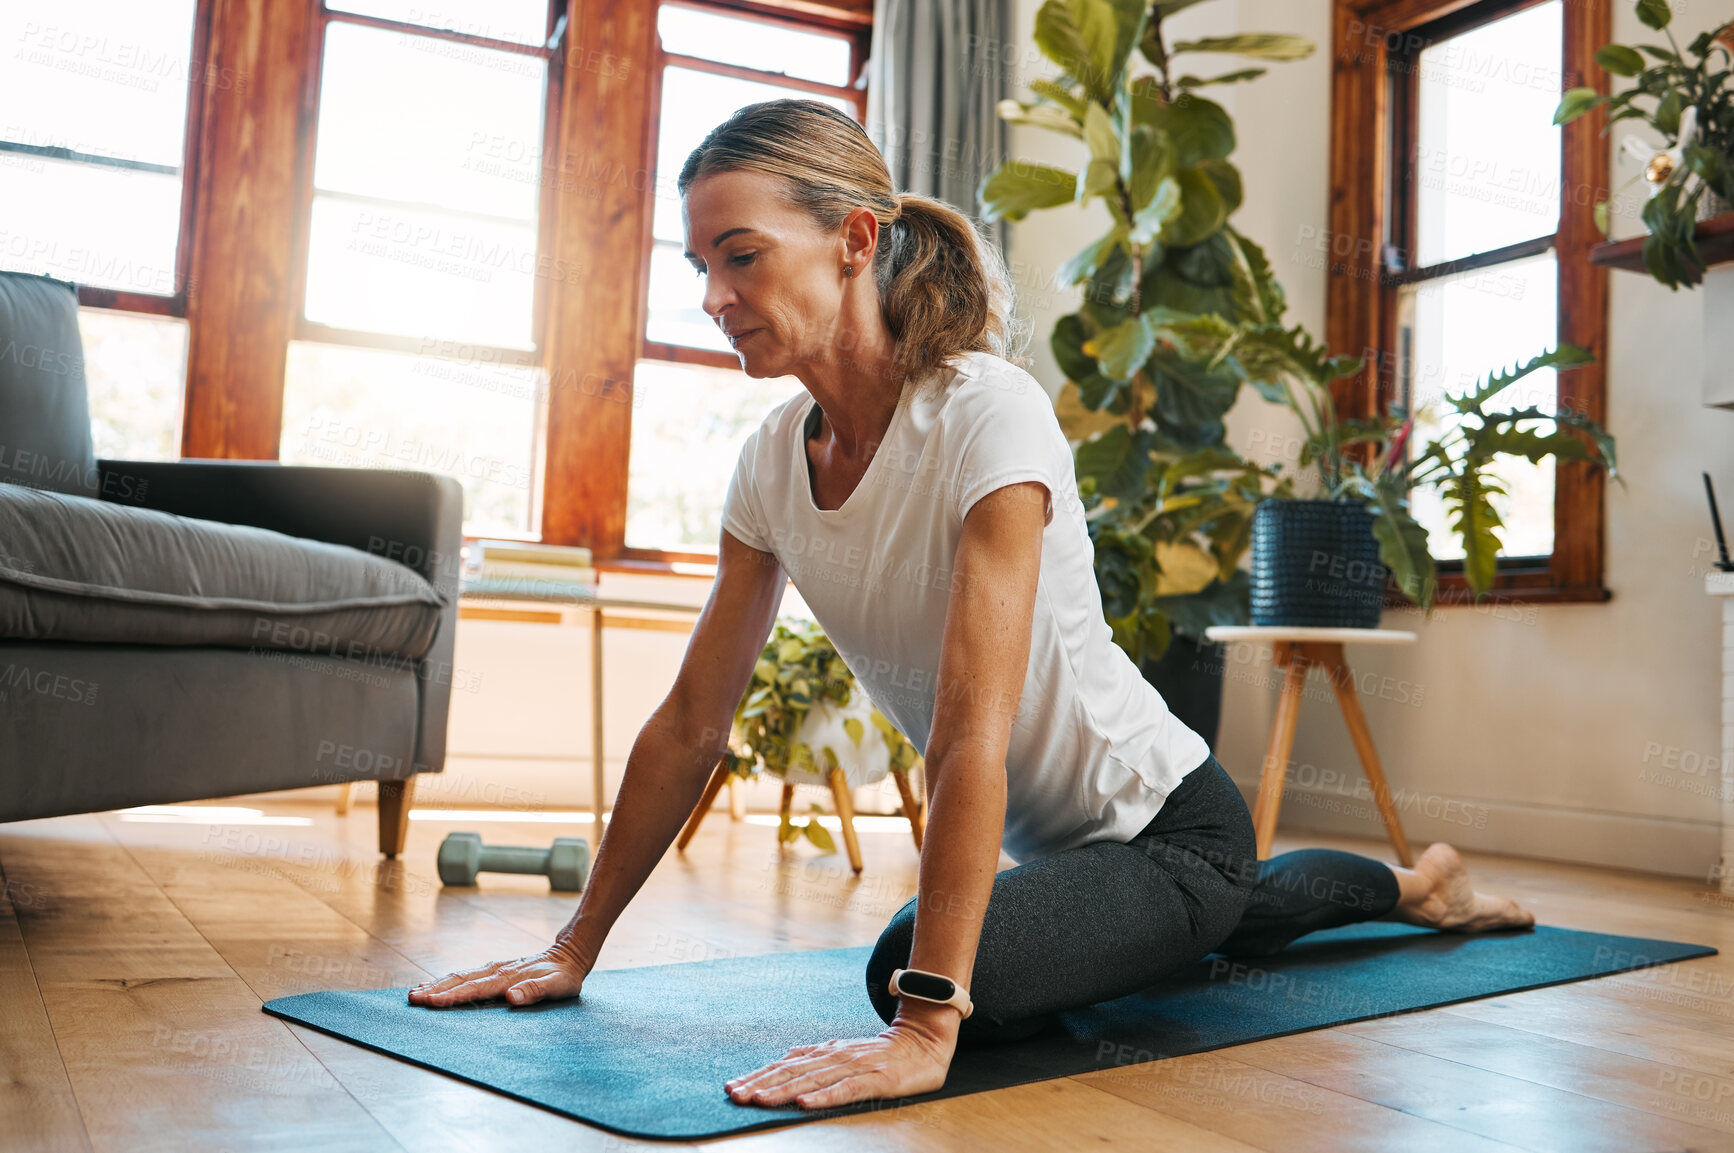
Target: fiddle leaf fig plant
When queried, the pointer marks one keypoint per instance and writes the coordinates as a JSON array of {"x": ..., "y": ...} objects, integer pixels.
[
  {"x": 1170, "y": 504},
  {"x": 798, "y": 670}
]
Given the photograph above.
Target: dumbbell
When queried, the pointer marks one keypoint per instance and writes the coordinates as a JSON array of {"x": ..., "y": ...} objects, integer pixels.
[{"x": 462, "y": 856}]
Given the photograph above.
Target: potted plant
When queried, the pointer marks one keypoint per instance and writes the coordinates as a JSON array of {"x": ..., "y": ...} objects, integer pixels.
[
  {"x": 1324, "y": 561},
  {"x": 802, "y": 716},
  {"x": 1170, "y": 505},
  {"x": 1693, "y": 109}
]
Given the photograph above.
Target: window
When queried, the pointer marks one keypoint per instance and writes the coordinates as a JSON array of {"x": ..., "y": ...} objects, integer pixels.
[
  {"x": 418, "y": 337},
  {"x": 94, "y": 153},
  {"x": 692, "y": 407},
  {"x": 1480, "y": 212}
]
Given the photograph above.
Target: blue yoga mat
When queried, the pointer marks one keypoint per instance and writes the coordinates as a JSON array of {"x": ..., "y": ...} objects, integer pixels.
[{"x": 644, "y": 1052}]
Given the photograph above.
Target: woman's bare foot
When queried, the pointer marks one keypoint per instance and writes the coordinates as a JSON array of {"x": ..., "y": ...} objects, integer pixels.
[{"x": 1437, "y": 895}]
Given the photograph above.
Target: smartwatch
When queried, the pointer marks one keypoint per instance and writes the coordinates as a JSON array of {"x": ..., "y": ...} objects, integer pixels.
[{"x": 935, "y": 987}]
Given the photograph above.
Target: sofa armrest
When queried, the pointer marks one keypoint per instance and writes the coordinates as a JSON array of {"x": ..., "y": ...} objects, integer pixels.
[{"x": 413, "y": 518}]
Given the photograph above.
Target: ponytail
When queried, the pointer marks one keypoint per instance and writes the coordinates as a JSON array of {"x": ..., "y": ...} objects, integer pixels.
[{"x": 943, "y": 287}]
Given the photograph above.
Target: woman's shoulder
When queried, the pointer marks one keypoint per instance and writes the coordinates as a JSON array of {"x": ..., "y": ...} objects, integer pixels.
[
  {"x": 983, "y": 385},
  {"x": 781, "y": 423}
]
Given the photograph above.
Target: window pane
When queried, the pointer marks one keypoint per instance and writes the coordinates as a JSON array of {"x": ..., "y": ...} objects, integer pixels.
[
  {"x": 366, "y": 408},
  {"x": 754, "y": 44},
  {"x": 1460, "y": 329},
  {"x": 107, "y": 77},
  {"x": 688, "y": 424},
  {"x": 693, "y": 103},
  {"x": 383, "y": 268},
  {"x": 89, "y": 224},
  {"x": 1487, "y": 164},
  {"x": 430, "y": 122},
  {"x": 135, "y": 367},
  {"x": 518, "y": 21}
]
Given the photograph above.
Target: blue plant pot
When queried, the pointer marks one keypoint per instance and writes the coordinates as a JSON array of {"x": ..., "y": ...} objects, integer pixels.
[{"x": 1316, "y": 563}]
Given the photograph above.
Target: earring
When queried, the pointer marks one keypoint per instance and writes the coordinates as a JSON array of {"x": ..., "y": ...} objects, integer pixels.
[{"x": 848, "y": 270}]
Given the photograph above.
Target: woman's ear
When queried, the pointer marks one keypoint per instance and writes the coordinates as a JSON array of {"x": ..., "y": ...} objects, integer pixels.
[{"x": 860, "y": 237}]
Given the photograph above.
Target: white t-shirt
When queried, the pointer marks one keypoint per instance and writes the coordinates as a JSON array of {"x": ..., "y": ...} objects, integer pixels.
[{"x": 1094, "y": 750}]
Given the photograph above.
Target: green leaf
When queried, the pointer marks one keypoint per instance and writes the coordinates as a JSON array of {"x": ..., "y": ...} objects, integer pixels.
[
  {"x": 1163, "y": 207},
  {"x": 1219, "y": 603},
  {"x": 1095, "y": 391},
  {"x": 1080, "y": 36},
  {"x": 1565, "y": 356},
  {"x": 1619, "y": 60},
  {"x": 1198, "y": 129},
  {"x": 1226, "y": 177},
  {"x": 1018, "y": 187},
  {"x": 1062, "y": 95},
  {"x": 1084, "y": 264},
  {"x": 1668, "y": 113},
  {"x": 1202, "y": 211},
  {"x": 820, "y": 835},
  {"x": 855, "y": 729},
  {"x": 1575, "y": 103},
  {"x": 1190, "y": 395},
  {"x": 1147, "y": 164},
  {"x": 1258, "y": 45},
  {"x": 1102, "y": 173},
  {"x": 1039, "y": 116},
  {"x": 1186, "y": 82},
  {"x": 1123, "y": 349},
  {"x": 1475, "y": 520},
  {"x": 1403, "y": 546},
  {"x": 1117, "y": 459},
  {"x": 1654, "y": 13}
]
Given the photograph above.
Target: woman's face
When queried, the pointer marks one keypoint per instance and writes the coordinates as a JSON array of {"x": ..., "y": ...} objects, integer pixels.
[{"x": 773, "y": 280}]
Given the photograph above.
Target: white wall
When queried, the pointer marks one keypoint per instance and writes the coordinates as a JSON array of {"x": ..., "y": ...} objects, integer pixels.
[{"x": 1537, "y": 731}]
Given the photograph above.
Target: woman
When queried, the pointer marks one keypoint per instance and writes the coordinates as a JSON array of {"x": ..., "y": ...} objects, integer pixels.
[{"x": 919, "y": 494}]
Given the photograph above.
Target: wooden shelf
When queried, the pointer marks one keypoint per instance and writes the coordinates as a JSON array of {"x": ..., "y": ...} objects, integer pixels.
[{"x": 1715, "y": 244}]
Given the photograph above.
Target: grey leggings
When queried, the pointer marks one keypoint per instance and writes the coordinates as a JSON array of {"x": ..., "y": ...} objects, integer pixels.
[{"x": 1109, "y": 918}]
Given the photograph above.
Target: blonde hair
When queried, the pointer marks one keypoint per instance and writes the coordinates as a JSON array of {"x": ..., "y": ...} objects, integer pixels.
[{"x": 943, "y": 287}]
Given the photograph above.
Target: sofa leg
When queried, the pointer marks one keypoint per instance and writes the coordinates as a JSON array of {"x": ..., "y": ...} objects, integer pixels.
[{"x": 394, "y": 802}]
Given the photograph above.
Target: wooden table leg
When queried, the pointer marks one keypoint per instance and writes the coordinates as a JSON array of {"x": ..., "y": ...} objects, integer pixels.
[
  {"x": 737, "y": 800},
  {"x": 1291, "y": 660},
  {"x": 345, "y": 794},
  {"x": 788, "y": 803},
  {"x": 394, "y": 801},
  {"x": 598, "y": 781},
  {"x": 846, "y": 814},
  {"x": 1348, "y": 700},
  {"x": 910, "y": 808},
  {"x": 718, "y": 777}
]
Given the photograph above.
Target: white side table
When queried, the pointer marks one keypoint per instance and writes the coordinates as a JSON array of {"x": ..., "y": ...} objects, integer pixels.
[{"x": 1296, "y": 649}]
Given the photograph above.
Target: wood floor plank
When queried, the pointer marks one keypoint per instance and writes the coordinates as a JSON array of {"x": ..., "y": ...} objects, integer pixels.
[
  {"x": 1488, "y": 1104},
  {"x": 1271, "y": 1111},
  {"x": 182, "y": 1065},
  {"x": 313, "y": 947},
  {"x": 1035, "y": 1118},
  {"x": 1635, "y": 1082},
  {"x": 35, "y": 1095},
  {"x": 1587, "y": 1015}
]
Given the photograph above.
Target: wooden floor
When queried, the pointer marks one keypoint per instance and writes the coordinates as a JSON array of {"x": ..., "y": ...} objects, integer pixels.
[{"x": 134, "y": 957}]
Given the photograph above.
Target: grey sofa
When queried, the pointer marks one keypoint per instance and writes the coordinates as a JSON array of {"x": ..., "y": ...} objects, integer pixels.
[{"x": 175, "y": 631}]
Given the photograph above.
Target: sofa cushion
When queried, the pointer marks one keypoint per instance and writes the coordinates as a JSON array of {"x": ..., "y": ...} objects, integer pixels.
[
  {"x": 74, "y": 569},
  {"x": 44, "y": 411}
]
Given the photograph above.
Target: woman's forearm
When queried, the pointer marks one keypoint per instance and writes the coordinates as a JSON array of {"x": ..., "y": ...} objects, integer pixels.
[
  {"x": 664, "y": 778},
  {"x": 959, "y": 857}
]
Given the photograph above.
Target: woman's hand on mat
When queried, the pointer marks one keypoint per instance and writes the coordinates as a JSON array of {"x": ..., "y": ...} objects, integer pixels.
[
  {"x": 906, "y": 1059},
  {"x": 550, "y": 975}
]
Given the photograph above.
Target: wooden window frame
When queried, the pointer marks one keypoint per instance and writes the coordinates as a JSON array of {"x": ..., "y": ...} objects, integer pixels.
[
  {"x": 198, "y": 81},
  {"x": 1367, "y": 140},
  {"x": 598, "y": 335}
]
